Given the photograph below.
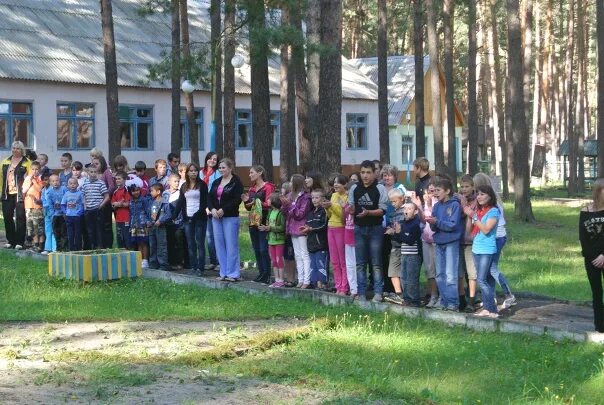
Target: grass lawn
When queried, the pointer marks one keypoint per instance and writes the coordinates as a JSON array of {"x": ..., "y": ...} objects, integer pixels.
[
  {"x": 358, "y": 358},
  {"x": 361, "y": 357},
  {"x": 546, "y": 258}
]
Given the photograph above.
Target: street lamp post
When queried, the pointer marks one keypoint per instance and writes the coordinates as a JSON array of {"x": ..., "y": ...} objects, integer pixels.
[{"x": 408, "y": 117}]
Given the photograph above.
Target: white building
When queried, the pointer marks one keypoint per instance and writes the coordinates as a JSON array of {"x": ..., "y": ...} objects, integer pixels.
[{"x": 52, "y": 94}]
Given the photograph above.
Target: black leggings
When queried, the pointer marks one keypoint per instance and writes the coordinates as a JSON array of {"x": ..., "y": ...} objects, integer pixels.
[
  {"x": 13, "y": 210},
  {"x": 595, "y": 276}
]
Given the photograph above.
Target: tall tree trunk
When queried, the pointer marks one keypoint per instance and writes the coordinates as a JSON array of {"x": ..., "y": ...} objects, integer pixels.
[
  {"x": 526, "y": 27},
  {"x": 216, "y": 54},
  {"x": 448, "y": 22},
  {"x": 472, "y": 102},
  {"x": 287, "y": 153},
  {"x": 437, "y": 122},
  {"x": 580, "y": 101},
  {"x": 545, "y": 92},
  {"x": 522, "y": 204},
  {"x": 262, "y": 145},
  {"x": 175, "y": 135},
  {"x": 111, "y": 89},
  {"x": 570, "y": 103},
  {"x": 418, "y": 53},
  {"x": 536, "y": 82},
  {"x": 600, "y": 128},
  {"x": 189, "y": 104},
  {"x": 313, "y": 73},
  {"x": 299, "y": 70},
  {"x": 330, "y": 88},
  {"x": 230, "y": 9},
  {"x": 496, "y": 84},
  {"x": 382, "y": 56}
]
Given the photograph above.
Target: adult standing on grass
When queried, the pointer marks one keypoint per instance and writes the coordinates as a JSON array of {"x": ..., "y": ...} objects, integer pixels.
[
  {"x": 14, "y": 170},
  {"x": 209, "y": 173},
  {"x": 257, "y": 202},
  {"x": 591, "y": 235},
  {"x": 193, "y": 202},
  {"x": 223, "y": 202}
]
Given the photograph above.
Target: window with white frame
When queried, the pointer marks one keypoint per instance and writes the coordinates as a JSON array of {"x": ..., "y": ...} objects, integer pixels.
[
  {"x": 243, "y": 129},
  {"x": 356, "y": 131},
  {"x": 407, "y": 147},
  {"x": 184, "y": 128},
  {"x": 136, "y": 127},
  {"x": 75, "y": 125},
  {"x": 16, "y": 123}
]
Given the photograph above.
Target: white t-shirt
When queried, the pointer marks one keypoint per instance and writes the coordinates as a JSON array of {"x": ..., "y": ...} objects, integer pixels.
[{"x": 192, "y": 197}]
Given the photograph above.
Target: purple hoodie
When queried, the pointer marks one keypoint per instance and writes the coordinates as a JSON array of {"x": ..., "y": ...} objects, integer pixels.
[{"x": 296, "y": 213}]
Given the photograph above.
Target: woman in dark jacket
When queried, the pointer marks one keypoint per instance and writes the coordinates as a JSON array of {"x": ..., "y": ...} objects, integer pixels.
[
  {"x": 193, "y": 202},
  {"x": 224, "y": 201},
  {"x": 591, "y": 235},
  {"x": 14, "y": 170}
]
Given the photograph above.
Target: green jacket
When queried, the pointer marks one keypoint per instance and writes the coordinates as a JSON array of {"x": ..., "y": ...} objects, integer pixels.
[{"x": 276, "y": 221}]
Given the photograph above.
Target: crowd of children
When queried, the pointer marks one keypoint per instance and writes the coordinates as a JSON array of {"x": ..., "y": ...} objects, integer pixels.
[{"x": 365, "y": 222}]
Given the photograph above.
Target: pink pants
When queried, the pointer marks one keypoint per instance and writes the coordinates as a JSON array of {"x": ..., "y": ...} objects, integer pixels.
[
  {"x": 276, "y": 253},
  {"x": 335, "y": 238}
]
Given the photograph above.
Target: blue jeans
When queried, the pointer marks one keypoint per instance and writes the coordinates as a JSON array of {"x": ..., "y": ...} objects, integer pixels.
[
  {"x": 447, "y": 271},
  {"x": 74, "y": 232},
  {"x": 368, "y": 249},
  {"x": 485, "y": 280},
  {"x": 410, "y": 278},
  {"x": 123, "y": 235},
  {"x": 318, "y": 267},
  {"x": 95, "y": 226},
  {"x": 195, "y": 230},
  {"x": 498, "y": 275},
  {"x": 263, "y": 259},
  {"x": 158, "y": 248},
  {"x": 211, "y": 244},
  {"x": 226, "y": 237}
]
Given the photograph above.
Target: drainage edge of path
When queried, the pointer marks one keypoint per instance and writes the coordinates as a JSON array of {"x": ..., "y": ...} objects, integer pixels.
[{"x": 450, "y": 318}]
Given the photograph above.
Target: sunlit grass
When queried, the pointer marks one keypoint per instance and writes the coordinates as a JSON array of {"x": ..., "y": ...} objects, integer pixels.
[
  {"x": 546, "y": 258},
  {"x": 27, "y": 293},
  {"x": 393, "y": 359}
]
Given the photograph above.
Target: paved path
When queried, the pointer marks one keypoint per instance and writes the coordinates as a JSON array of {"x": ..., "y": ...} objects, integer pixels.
[{"x": 534, "y": 314}]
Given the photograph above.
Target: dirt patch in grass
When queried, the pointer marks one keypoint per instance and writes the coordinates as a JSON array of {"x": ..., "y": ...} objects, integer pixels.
[{"x": 31, "y": 370}]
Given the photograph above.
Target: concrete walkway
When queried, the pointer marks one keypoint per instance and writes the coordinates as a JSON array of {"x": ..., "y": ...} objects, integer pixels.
[{"x": 533, "y": 314}]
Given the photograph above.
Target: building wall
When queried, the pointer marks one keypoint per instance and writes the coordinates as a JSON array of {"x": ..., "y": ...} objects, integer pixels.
[
  {"x": 45, "y": 95},
  {"x": 396, "y": 147}
]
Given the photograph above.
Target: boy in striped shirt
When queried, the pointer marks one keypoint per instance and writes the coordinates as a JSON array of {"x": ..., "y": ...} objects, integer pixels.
[{"x": 96, "y": 196}]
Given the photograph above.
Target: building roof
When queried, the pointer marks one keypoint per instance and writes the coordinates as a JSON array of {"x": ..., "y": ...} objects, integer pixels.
[
  {"x": 401, "y": 82},
  {"x": 61, "y": 41},
  {"x": 590, "y": 148}
]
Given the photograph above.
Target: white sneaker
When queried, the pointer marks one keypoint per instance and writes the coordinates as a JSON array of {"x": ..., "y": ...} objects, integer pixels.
[
  {"x": 509, "y": 301},
  {"x": 8, "y": 246},
  {"x": 44, "y": 252},
  {"x": 433, "y": 301},
  {"x": 18, "y": 247},
  {"x": 145, "y": 264}
]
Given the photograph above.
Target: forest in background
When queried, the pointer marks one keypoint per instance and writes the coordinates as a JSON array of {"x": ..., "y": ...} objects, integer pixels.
[{"x": 548, "y": 92}]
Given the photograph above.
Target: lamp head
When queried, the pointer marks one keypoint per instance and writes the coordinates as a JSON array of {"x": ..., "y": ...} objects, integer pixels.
[
  {"x": 237, "y": 61},
  {"x": 187, "y": 87}
]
